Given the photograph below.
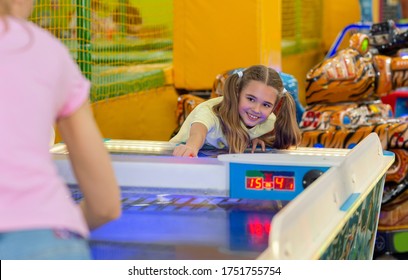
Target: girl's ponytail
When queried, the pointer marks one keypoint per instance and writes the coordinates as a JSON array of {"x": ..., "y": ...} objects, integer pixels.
[{"x": 286, "y": 132}]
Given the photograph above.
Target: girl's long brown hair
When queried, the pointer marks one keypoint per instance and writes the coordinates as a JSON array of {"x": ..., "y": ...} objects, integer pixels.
[{"x": 286, "y": 132}]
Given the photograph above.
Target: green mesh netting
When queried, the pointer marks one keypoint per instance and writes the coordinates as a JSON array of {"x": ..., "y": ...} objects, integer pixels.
[
  {"x": 112, "y": 39},
  {"x": 302, "y": 22}
]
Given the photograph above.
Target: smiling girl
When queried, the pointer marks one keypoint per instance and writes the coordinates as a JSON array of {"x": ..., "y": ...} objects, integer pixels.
[{"x": 255, "y": 109}]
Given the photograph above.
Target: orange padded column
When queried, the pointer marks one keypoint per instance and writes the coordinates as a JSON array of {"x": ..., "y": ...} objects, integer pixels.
[{"x": 211, "y": 36}]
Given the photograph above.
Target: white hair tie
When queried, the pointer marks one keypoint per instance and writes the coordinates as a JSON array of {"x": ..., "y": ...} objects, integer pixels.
[{"x": 240, "y": 74}]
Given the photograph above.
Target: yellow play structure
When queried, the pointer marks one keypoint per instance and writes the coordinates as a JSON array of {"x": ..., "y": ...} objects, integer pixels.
[{"x": 141, "y": 54}]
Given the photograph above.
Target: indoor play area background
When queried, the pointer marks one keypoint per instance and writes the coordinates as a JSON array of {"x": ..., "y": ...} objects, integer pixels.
[{"x": 142, "y": 56}]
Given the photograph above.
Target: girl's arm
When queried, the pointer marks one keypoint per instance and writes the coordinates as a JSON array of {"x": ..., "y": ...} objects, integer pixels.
[
  {"x": 92, "y": 167},
  {"x": 198, "y": 132}
]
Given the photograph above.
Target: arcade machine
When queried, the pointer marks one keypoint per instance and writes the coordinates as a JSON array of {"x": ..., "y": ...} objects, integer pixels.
[
  {"x": 344, "y": 96},
  {"x": 362, "y": 89},
  {"x": 241, "y": 206}
]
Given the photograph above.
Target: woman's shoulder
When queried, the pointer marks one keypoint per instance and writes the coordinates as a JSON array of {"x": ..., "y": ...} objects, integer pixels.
[
  {"x": 23, "y": 34},
  {"x": 47, "y": 42},
  {"x": 44, "y": 35}
]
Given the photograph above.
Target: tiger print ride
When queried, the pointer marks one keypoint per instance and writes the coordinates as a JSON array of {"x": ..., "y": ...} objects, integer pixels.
[{"x": 343, "y": 96}]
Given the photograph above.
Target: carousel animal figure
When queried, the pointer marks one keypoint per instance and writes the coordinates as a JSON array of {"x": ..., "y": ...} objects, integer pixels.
[{"x": 344, "y": 104}]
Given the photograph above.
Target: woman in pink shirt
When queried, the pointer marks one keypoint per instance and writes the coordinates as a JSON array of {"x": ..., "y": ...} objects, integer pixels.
[{"x": 40, "y": 85}]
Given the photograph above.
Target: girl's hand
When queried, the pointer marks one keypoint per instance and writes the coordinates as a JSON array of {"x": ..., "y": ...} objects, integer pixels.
[
  {"x": 185, "y": 151},
  {"x": 195, "y": 141},
  {"x": 255, "y": 143}
]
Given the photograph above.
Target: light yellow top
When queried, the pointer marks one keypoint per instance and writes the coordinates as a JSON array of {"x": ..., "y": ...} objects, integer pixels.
[{"x": 204, "y": 114}]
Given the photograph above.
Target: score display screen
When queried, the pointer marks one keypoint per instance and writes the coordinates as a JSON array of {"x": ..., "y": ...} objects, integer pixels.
[{"x": 270, "y": 180}]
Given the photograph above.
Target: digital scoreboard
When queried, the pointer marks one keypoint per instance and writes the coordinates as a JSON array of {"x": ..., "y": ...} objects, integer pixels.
[
  {"x": 270, "y": 180},
  {"x": 279, "y": 176},
  {"x": 275, "y": 175}
]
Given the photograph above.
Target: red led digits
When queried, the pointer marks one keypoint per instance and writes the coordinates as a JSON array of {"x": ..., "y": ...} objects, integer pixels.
[
  {"x": 270, "y": 180},
  {"x": 283, "y": 183},
  {"x": 254, "y": 183}
]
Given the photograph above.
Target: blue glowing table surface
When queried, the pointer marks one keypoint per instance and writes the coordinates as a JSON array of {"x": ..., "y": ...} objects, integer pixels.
[
  {"x": 189, "y": 208},
  {"x": 180, "y": 208},
  {"x": 173, "y": 226}
]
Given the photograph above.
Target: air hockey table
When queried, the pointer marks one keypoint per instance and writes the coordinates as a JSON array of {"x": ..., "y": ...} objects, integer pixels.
[{"x": 306, "y": 203}]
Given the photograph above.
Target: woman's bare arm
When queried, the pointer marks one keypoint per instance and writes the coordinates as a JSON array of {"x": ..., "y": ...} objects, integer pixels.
[{"x": 92, "y": 167}]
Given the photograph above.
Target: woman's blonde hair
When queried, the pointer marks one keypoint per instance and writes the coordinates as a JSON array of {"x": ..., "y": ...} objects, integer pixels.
[
  {"x": 286, "y": 132},
  {"x": 5, "y": 8}
]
